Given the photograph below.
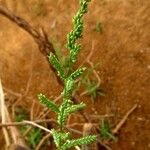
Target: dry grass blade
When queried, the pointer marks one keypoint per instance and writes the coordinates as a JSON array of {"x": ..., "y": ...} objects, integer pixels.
[
  {"x": 3, "y": 115},
  {"x": 121, "y": 123},
  {"x": 92, "y": 66},
  {"x": 15, "y": 135}
]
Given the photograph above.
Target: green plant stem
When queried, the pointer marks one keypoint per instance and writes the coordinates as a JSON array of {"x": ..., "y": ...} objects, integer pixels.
[{"x": 61, "y": 138}]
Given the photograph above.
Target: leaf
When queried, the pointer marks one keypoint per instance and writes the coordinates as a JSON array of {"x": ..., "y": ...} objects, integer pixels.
[
  {"x": 74, "y": 52},
  {"x": 65, "y": 136},
  {"x": 62, "y": 115},
  {"x": 66, "y": 109},
  {"x": 77, "y": 73},
  {"x": 56, "y": 64},
  {"x": 56, "y": 137},
  {"x": 69, "y": 86},
  {"x": 80, "y": 141},
  {"x": 48, "y": 103},
  {"x": 74, "y": 108},
  {"x": 59, "y": 137}
]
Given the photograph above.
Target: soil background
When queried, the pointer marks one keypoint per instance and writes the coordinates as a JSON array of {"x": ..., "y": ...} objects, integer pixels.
[{"x": 122, "y": 48}]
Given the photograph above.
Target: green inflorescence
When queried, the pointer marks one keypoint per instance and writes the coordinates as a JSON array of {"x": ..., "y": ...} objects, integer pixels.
[
  {"x": 76, "y": 33},
  {"x": 61, "y": 139}
]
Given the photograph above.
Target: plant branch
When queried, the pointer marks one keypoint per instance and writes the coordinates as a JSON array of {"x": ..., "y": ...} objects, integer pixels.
[{"x": 42, "y": 41}]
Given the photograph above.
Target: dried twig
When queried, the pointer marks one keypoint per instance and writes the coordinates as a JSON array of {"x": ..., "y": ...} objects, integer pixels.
[
  {"x": 42, "y": 141},
  {"x": 25, "y": 123},
  {"x": 37, "y": 125},
  {"x": 32, "y": 110},
  {"x": 103, "y": 145},
  {"x": 12, "y": 92},
  {"x": 40, "y": 37},
  {"x": 122, "y": 122}
]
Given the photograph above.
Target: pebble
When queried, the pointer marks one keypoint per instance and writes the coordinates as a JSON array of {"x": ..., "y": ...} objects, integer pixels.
[
  {"x": 140, "y": 119},
  {"x": 148, "y": 67}
]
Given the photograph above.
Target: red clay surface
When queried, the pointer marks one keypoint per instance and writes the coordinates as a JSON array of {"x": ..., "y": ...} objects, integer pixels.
[{"x": 123, "y": 50}]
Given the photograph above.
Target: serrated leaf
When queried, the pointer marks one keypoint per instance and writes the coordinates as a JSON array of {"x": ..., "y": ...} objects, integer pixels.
[
  {"x": 56, "y": 137},
  {"x": 80, "y": 141},
  {"x": 74, "y": 52},
  {"x": 56, "y": 64},
  {"x": 69, "y": 86},
  {"x": 62, "y": 115},
  {"x": 66, "y": 109},
  {"x": 77, "y": 73},
  {"x": 74, "y": 108},
  {"x": 65, "y": 136},
  {"x": 59, "y": 137},
  {"x": 42, "y": 98}
]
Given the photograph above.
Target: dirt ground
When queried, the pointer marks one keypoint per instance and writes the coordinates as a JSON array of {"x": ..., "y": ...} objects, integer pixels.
[{"x": 122, "y": 48}]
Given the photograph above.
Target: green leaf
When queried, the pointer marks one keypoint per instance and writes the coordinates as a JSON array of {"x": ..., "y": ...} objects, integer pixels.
[
  {"x": 77, "y": 73},
  {"x": 48, "y": 103},
  {"x": 68, "y": 89},
  {"x": 65, "y": 136},
  {"x": 59, "y": 137},
  {"x": 56, "y": 137},
  {"x": 74, "y": 52},
  {"x": 66, "y": 109},
  {"x": 74, "y": 108},
  {"x": 80, "y": 141},
  {"x": 63, "y": 114},
  {"x": 56, "y": 64}
]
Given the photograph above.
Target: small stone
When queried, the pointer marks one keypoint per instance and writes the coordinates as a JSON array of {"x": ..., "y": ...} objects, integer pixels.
[
  {"x": 141, "y": 51},
  {"x": 148, "y": 67},
  {"x": 133, "y": 143},
  {"x": 140, "y": 119}
]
